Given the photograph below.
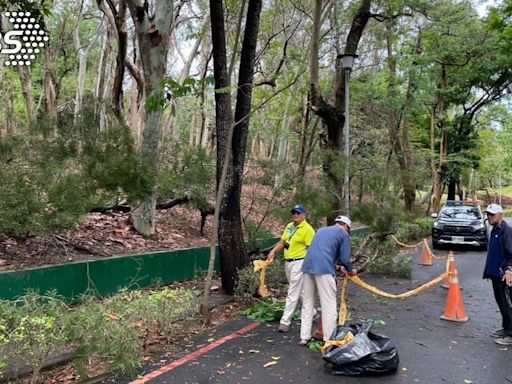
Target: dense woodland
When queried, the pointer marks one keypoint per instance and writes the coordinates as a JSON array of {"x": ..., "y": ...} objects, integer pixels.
[{"x": 140, "y": 105}]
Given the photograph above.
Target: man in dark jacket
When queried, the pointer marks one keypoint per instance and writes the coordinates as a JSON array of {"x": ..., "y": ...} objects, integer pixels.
[{"x": 498, "y": 268}]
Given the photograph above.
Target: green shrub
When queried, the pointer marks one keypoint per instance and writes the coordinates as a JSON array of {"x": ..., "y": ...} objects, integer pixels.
[
  {"x": 256, "y": 232},
  {"x": 33, "y": 329},
  {"x": 382, "y": 218},
  {"x": 413, "y": 232},
  {"x": 392, "y": 266},
  {"x": 425, "y": 223},
  {"x": 115, "y": 331},
  {"x": 269, "y": 309},
  {"x": 247, "y": 283},
  {"x": 276, "y": 275}
]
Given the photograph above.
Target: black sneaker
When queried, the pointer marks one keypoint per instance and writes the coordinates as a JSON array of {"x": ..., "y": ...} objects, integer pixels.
[{"x": 499, "y": 333}]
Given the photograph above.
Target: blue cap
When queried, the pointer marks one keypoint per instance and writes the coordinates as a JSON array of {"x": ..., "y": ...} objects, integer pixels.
[{"x": 298, "y": 208}]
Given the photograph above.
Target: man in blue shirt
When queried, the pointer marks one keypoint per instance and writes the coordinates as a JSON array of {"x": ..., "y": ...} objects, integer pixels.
[
  {"x": 330, "y": 247},
  {"x": 498, "y": 268}
]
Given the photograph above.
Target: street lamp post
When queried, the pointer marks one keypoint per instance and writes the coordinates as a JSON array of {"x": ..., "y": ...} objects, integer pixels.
[{"x": 347, "y": 61}]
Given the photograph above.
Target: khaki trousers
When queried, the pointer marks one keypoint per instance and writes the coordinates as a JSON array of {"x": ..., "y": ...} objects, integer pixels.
[{"x": 325, "y": 286}]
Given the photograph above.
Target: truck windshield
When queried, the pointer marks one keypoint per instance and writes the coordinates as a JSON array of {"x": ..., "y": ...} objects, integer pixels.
[{"x": 463, "y": 213}]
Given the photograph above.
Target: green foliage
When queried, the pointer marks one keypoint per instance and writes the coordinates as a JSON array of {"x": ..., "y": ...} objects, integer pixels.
[
  {"x": 275, "y": 273},
  {"x": 392, "y": 266},
  {"x": 36, "y": 327},
  {"x": 425, "y": 223},
  {"x": 410, "y": 232},
  {"x": 247, "y": 283},
  {"x": 51, "y": 181},
  {"x": 97, "y": 331},
  {"x": 266, "y": 310},
  {"x": 382, "y": 218},
  {"x": 32, "y": 329},
  {"x": 316, "y": 346},
  {"x": 187, "y": 171},
  {"x": 256, "y": 232}
]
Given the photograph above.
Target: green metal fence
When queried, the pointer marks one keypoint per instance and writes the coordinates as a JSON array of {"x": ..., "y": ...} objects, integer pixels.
[{"x": 106, "y": 276}]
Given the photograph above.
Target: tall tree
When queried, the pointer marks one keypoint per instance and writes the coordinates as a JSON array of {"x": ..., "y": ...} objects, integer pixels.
[
  {"x": 233, "y": 254},
  {"x": 332, "y": 114},
  {"x": 153, "y": 30}
]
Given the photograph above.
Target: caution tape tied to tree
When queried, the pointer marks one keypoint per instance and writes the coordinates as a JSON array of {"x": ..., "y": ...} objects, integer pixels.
[{"x": 262, "y": 265}]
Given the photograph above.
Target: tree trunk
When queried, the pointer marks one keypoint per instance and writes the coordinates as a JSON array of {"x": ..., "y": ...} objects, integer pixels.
[
  {"x": 400, "y": 144},
  {"x": 102, "y": 86},
  {"x": 26, "y": 84},
  {"x": 332, "y": 115},
  {"x": 443, "y": 146},
  {"x": 231, "y": 241},
  {"x": 82, "y": 65},
  {"x": 308, "y": 141},
  {"x": 50, "y": 96},
  {"x": 153, "y": 36},
  {"x": 283, "y": 141},
  {"x": 233, "y": 255},
  {"x": 117, "y": 18}
]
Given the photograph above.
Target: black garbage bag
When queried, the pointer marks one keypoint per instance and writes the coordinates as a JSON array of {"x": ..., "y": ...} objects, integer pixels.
[{"x": 367, "y": 354}]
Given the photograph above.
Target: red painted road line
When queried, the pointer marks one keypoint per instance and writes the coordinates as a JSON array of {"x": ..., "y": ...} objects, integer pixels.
[{"x": 194, "y": 355}]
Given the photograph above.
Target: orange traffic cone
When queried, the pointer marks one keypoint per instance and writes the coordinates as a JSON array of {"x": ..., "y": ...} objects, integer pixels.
[
  {"x": 454, "y": 309},
  {"x": 426, "y": 255},
  {"x": 451, "y": 268},
  {"x": 319, "y": 333}
]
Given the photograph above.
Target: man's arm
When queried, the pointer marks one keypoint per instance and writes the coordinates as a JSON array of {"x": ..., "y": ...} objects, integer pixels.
[
  {"x": 276, "y": 250},
  {"x": 344, "y": 254},
  {"x": 506, "y": 242}
]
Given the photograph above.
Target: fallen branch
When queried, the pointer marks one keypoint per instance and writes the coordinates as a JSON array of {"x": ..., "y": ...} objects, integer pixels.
[{"x": 82, "y": 247}]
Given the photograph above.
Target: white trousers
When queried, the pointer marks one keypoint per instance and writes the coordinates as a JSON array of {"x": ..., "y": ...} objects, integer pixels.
[
  {"x": 325, "y": 286},
  {"x": 293, "y": 270}
]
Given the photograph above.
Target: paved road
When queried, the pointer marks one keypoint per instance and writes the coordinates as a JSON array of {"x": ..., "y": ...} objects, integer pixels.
[{"x": 431, "y": 350}]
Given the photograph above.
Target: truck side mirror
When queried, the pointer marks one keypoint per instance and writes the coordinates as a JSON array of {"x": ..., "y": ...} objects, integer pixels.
[{"x": 434, "y": 215}]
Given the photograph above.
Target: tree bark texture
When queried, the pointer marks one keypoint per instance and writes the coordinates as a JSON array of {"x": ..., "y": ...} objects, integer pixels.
[
  {"x": 399, "y": 123},
  {"x": 443, "y": 145},
  {"x": 153, "y": 37},
  {"x": 26, "y": 85},
  {"x": 231, "y": 241},
  {"x": 50, "y": 94}
]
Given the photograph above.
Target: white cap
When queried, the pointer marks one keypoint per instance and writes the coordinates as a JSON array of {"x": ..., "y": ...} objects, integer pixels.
[
  {"x": 343, "y": 220},
  {"x": 494, "y": 209}
]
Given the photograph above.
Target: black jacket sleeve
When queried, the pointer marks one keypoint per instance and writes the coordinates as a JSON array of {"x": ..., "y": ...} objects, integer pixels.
[{"x": 506, "y": 243}]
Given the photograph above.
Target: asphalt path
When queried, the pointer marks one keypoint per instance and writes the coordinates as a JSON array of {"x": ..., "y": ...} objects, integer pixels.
[{"x": 431, "y": 350}]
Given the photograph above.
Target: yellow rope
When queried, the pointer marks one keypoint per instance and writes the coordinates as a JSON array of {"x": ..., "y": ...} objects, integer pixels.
[
  {"x": 343, "y": 306},
  {"x": 405, "y": 245},
  {"x": 262, "y": 265},
  {"x": 338, "y": 343},
  {"x": 424, "y": 287},
  {"x": 349, "y": 337}
]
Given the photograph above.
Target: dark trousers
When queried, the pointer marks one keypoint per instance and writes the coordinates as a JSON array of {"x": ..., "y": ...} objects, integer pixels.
[{"x": 503, "y": 296}]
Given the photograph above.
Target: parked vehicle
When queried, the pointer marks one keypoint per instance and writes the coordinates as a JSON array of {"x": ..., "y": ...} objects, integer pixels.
[{"x": 460, "y": 222}]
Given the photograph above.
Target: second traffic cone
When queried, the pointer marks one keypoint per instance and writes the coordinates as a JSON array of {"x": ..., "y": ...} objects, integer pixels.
[
  {"x": 426, "y": 255},
  {"x": 451, "y": 268},
  {"x": 454, "y": 308}
]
